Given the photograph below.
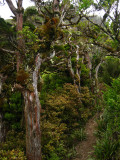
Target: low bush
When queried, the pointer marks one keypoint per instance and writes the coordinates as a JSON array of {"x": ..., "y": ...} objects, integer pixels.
[
  {"x": 12, "y": 155},
  {"x": 64, "y": 113}
]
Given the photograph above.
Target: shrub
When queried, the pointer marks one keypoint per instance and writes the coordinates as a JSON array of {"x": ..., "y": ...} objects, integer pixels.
[
  {"x": 14, "y": 140},
  {"x": 64, "y": 112},
  {"x": 12, "y": 154}
]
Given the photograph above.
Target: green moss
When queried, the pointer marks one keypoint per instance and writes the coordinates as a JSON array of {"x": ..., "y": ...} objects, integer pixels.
[{"x": 22, "y": 77}]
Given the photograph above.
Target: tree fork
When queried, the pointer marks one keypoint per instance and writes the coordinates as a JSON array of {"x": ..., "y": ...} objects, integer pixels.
[{"x": 31, "y": 98}]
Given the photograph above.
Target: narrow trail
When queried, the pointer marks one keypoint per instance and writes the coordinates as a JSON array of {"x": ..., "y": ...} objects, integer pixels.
[{"x": 84, "y": 149}]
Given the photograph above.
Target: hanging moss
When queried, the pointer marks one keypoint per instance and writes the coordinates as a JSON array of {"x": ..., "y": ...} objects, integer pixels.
[
  {"x": 30, "y": 87},
  {"x": 22, "y": 77}
]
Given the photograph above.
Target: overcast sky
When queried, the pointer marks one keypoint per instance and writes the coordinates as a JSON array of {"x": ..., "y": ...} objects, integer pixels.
[{"x": 5, "y": 11}]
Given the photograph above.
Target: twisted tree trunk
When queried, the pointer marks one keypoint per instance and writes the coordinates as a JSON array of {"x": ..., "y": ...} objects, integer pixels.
[{"x": 77, "y": 73}]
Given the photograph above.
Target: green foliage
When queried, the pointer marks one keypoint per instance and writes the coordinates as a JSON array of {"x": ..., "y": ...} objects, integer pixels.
[
  {"x": 105, "y": 3},
  {"x": 30, "y": 11},
  {"x": 31, "y": 39},
  {"x": 54, "y": 81},
  {"x": 6, "y": 32},
  {"x": 106, "y": 148},
  {"x": 85, "y": 81},
  {"x": 84, "y": 75},
  {"x": 110, "y": 70},
  {"x": 76, "y": 135},
  {"x": 40, "y": 38},
  {"x": 6, "y": 67},
  {"x": 4, "y": 26},
  {"x": 30, "y": 17},
  {"x": 30, "y": 25},
  {"x": 64, "y": 110},
  {"x": 101, "y": 127},
  {"x": 62, "y": 114},
  {"x": 59, "y": 48},
  {"x": 14, "y": 145},
  {"x": 108, "y": 144},
  {"x": 54, "y": 156},
  {"x": 71, "y": 153},
  {"x": 62, "y": 48},
  {"x": 13, "y": 110},
  {"x": 83, "y": 5}
]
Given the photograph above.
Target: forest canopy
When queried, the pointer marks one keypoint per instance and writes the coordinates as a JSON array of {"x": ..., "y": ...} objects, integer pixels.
[{"x": 59, "y": 67}]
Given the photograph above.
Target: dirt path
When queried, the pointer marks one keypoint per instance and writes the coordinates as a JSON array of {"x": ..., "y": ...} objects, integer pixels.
[{"x": 85, "y": 148}]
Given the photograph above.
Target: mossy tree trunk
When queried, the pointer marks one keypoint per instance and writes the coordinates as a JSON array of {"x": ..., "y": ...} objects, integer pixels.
[
  {"x": 89, "y": 64},
  {"x": 31, "y": 98},
  {"x": 75, "y": 73}
]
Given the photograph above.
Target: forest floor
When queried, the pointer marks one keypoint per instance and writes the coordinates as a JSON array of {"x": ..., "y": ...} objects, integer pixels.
[{"x": 85, "y": 148}]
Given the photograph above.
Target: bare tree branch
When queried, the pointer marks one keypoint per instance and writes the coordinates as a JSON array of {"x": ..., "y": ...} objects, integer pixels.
[
  {"x": 105, "y": 31},
  {"x": 8, "y": 51},
  {"x": 12, "y": 7}
]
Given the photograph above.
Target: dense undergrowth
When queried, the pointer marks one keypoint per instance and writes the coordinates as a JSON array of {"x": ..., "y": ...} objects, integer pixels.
[
  {"x": 64, "y": 114},
  {"x": 69, "y": 84},
  {"x": 108, "y": 130}
]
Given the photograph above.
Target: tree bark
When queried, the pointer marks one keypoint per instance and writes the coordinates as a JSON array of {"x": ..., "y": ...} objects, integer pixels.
[
  {"x": 89, "y": 64},
  {"x": 31, "y": 98},
  {"x": 78, "y": 69},
  {"x": 75, "y": 74},
  {"x": 19, "y": 27},
  {"x": 18, "y": 12},
  {"x": 1, "y": 83},
  {"x": 56, "y": 6},
  {"x": 32, "y": 117},
  {"x": 33, "y": 134},
  {"x": 71, "y": 71},
  {"x": 2, "y": 129},
  {"x": 2, "y": 123},
  {"x": 96, "y": 73}
]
